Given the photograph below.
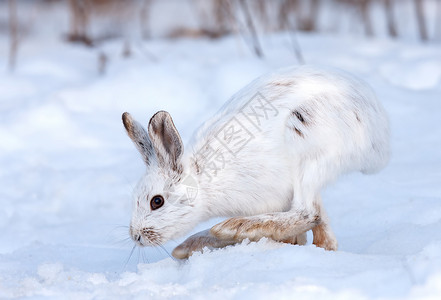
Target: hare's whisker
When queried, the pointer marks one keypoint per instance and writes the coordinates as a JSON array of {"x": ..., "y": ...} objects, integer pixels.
[
  {"x": 130, "y": 256},
  {"x": 165, "y": 250}
]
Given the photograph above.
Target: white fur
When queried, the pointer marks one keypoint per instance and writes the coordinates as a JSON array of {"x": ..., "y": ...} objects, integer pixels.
[{"x": 345, "y": 129}]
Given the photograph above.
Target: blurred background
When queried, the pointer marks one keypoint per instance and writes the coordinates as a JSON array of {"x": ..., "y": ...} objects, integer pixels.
[{"x": 95, "y": 22}]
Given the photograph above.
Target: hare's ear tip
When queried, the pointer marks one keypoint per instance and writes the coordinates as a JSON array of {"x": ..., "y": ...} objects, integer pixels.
[
  {"x": 160, "y": 116},
  {"x": 127, "y": 119},
  {"x": 161, "y": 113}
]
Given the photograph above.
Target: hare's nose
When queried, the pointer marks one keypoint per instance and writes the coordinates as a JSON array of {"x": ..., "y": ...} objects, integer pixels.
[{"x": 137, "y": 239}]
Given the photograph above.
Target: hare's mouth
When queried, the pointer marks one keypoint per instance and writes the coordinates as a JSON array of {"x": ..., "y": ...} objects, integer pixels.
[{"x": 145, "y": 237}]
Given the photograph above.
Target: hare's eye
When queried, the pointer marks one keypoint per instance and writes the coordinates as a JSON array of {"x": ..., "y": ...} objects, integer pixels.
[{"x": 156, "y": 202}]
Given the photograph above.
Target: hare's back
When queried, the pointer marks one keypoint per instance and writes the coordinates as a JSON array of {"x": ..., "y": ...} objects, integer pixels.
[{"x": 309, "y": 110}]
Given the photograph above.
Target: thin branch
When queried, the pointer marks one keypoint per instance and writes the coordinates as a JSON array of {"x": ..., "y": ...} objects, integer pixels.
[
  {"x": 263, "y": 13},
  {"x": 249, "y": 20},
  {"x": 364, "y": 9},
  {"x": 79, "y": 10},
  {"x": 286, "y": 9},
  {"x": 292, "y": 30},
  {"x": 13, "y": 34},
  {"x": 296, "y": 45},
  {"x": 391, "y": 27},
  {"x": 145, "y": 18},
  {"x": 438, "y": 20},
  {"x": 310, "y": 24},
  {"x": 421, "y": 19},
  {"x": 227, "y": 8}
]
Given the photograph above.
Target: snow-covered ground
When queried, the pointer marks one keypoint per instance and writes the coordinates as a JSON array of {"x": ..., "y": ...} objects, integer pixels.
[{"x": 67, "y": 169}]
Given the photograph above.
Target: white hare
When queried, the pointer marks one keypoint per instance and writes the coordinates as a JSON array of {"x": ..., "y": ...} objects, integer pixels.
[{"x": 262, "y": 160}]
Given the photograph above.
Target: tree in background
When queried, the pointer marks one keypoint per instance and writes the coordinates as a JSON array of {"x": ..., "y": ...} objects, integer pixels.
[
  {"x": 421, "y": 19},
  {"x": 390, "y": 19},
  {"x": 13, "y": 34}
]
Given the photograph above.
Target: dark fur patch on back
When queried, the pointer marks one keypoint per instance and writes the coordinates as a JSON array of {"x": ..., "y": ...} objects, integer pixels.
[
  {"x": 357, "y": 117},
  {"x": 284, "y": 83},
  {"x": 299, "y": 116},
  {"x": 298, "y": 132}
]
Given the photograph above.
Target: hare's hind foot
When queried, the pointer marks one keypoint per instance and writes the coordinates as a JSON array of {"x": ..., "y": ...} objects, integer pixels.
[
  {"x": 282, "y": 227},
  {"x": 203, "y": 239},
  {"x": 324, "y": 237},
  {"x": 197, "y": 242}
]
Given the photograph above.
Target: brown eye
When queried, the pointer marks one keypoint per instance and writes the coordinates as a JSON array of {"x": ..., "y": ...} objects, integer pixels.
[{"x": 156, "y": 202}]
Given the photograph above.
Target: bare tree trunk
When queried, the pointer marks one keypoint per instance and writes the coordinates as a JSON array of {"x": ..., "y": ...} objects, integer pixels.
[
  {"x": 287, "y": 10},
  {"x": 310, "y": 24},
  {"x": 263, "y": 13},
  {"x": 13, "y": 34},
  {"x": 222, "y": 16},
  {"x": 227, "y": 8},
  {"x": 79, "y": 22},
  {"x": 391, "y": 27},
  {"x": 364, "y": 9},
  {"x": 249, "y": 21},
  {"x": 421, "y": 19},
  {"x": 103, "y": 60},
  {"x": 145, "y": 18},
  {"x": 438, "y": 21},
  {"x": 287, "y": 21}
]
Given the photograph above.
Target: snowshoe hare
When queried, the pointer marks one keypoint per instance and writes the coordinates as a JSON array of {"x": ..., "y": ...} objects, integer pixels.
[{"x": 261, "y": 160}]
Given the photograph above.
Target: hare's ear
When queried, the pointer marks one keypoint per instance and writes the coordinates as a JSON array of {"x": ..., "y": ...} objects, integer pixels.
[
  {"x": 166, "y": 140},
  {"x": 139, "y": 137}
]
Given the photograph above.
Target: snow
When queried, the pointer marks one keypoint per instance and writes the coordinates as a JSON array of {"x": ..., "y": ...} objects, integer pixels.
[{"x": 68, "y": 168}]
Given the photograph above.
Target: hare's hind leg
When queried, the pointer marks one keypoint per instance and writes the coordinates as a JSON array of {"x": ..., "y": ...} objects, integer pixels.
[
  {"x": 200, "y": 240},
  {"x": 323, "y": 235},
  {"x": 286, "y": 227}
]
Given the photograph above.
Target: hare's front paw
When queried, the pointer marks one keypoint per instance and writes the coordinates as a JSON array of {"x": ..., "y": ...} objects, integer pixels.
[
  {"x": 238, "y": 229},
  {"x": 324, "y": 237},
  {"x": 197, "y": 242}
]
